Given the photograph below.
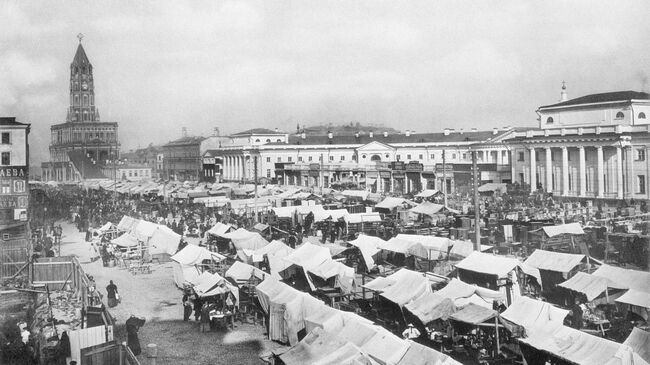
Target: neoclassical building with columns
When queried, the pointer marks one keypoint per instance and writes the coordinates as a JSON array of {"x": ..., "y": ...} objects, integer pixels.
[
  {"x": 388, "y": 162},
  {"x": 595, "y": 146}
]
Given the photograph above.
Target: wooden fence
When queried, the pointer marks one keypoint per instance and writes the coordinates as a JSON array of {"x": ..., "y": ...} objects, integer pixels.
[
  {"x": 109, "y": 353},
  {"x": 14, "y": 255}
]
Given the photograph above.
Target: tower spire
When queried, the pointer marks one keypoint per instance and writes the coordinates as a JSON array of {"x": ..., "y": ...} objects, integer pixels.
[{"x": 563, "y": 94}]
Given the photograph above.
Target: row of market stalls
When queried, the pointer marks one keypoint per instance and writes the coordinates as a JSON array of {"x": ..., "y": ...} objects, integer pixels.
[{"x": 333, "y": 336}]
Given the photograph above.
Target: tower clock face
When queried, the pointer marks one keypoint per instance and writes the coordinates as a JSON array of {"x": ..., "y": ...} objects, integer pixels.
[{"x": 84, "y": 86}]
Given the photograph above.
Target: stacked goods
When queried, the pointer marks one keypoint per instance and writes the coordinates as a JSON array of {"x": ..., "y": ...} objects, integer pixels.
[{"x": 64, "y": 312}]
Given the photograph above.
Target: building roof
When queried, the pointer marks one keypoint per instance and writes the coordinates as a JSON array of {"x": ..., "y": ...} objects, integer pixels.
[
  {"x": 467, "y": 136},
  {"x": 623, "y": 96},
  {"x": 184, "y": 141},
  {"x": 80, "y": 57},
  {"x": 11, "y": 121},
  {"x": 256, "y": 131}
]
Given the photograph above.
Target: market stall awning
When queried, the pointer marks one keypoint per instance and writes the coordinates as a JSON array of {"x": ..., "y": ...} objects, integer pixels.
[
  {"x": 493, "y": 187},
  {"x": 581, "y": 348},
  {"x": 274, "y": 248},
  {"x": 635, "y": 297},
  {"x": 569, "y": 228},
  {"x": 590, "y": 285},
  {"x": 392, "y": 203},
  {"x": 427, "y": 208},
  {"x": 554, "y": 261},
  {"x": 368, "y": 246},
  {"x": 533, "y": 315},
  {"x": 401, "y": 287},
  {"x": 462, "y": 249},
  {"x": 462, "y": 294},
  {"x": 165, "y": 240},
  {"x": 126, "y": 240},
  {"x": 633, "y": 279},
  {"x": 195, "y": 255},
  {"x": 363, "y": 194},
  {"x": 427, "y": 193},
  {"x": 309, "y": 256},
  {"x": 430, "y": 306},
  {"x": 639, "y": 341},
  {"x": 474, "y": 314},
  {"x": 240, "y": 271},
  {"x": 220, "y": 229},
  {"x": 352, "y": 218},
  {"x": 490, "y": 264}
]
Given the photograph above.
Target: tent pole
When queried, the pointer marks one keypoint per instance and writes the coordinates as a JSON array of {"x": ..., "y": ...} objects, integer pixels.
[{"x": 496, "y": 328}]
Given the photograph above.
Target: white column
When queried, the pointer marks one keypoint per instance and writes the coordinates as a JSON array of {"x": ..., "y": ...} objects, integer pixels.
[
  {"x": 582, "y": 171},
  {"x": 565, "y": 171},
  {"x": 549, "y": 170},
  {"x": 631, "y": 176},
  {"x": 513, "y": 167},
  {"x": 619, "y": 173},
  {"x": 601, "y": 171},
  {"x": 533, "y": 171}
]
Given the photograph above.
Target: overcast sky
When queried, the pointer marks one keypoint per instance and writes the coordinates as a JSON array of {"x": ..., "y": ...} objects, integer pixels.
[{"x": 420, "y": 65}]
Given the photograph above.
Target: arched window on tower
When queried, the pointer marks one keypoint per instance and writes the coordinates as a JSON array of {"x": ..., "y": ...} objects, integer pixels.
[
  {"x": 620, "y": 115},
  {"x": 257, "y": 140},
  {"x": 85, "y": 116},
  {"x": 549, "y": 120},
  {"x": 85, "y": 100},
  {"x": 76, "y": 100},
  {"x": 642, "y": 115}
]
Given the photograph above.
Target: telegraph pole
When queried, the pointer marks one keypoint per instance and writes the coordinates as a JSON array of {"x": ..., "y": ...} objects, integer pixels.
[
  {"x": 477, "y": 212},
  {"x": 255, "y": 177},
  {"x": 444, "y": 178}
]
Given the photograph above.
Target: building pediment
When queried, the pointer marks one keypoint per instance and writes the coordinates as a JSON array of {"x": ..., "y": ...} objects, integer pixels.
[{"x": 375, "y": 146}]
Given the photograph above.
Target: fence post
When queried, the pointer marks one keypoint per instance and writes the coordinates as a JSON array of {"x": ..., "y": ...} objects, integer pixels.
[{"x": 120, "y": 353}]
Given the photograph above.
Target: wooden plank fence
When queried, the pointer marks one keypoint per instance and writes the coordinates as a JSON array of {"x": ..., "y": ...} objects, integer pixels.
[
  {"x": 109, "y": 353},
  {"x": 12, "y": 259}
]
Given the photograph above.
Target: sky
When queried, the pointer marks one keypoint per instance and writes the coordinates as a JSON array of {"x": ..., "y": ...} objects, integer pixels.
[{"x": 163, "y": 65}]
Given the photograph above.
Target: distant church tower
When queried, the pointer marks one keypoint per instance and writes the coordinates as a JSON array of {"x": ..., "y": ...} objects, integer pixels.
[
  {"x": 82, "y": 147},
  {"x": 82, "y": 89}
]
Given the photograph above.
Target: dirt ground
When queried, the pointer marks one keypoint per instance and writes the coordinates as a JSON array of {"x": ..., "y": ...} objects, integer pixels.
[{"x": 155, "y": 297}]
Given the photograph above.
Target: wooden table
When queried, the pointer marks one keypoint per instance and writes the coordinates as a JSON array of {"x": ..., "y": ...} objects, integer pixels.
[{"x": 223, "y": 319}]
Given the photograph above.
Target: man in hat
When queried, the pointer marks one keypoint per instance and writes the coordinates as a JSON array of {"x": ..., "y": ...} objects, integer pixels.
[{"x": 411, "y": 333}]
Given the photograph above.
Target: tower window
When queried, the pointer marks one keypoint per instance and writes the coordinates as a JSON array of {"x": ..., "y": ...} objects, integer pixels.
[
  {"x": 257, "y": 140},
  {"x": 642, "y": 115},
  {"x": 6, "y": 137},
  {"x": 5, "y": 159},
  {"x": 620, "y": 115},
  {"x": 549, "y": 120}
]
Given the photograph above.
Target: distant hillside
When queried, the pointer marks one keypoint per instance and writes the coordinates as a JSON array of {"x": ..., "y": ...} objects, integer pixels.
[{"x": 347, "y": 129}]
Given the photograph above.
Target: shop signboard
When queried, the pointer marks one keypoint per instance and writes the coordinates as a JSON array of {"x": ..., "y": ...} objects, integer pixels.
[
  {"x": 14, "y": 196},
  {"x": 384, "y": 174},
  {"x": 414, "y": 166},
  {"x": 449, "y": 168},
  {"x": 397, "y": 165},
  {"x": 314, "y": 166},
  {"x": 398, "y": 174}
]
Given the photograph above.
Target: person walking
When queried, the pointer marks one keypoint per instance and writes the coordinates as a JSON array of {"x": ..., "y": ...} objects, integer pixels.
[
  {"x": 187, "y": 306},
  {"x": 112, "y": 294}
]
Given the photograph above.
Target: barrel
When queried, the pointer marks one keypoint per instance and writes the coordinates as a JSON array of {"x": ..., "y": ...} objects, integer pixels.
[{"x": 152, "y": 350}]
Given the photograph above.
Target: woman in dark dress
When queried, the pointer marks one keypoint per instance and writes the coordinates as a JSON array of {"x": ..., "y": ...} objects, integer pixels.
[
  {"x": 133, "y": 325},
  {"x": 111, "y": 291}
]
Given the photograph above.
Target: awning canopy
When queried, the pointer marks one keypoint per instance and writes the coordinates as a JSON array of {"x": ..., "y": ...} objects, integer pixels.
[
  {"x": 195, "y": 255},
  {"x": 392, "y": 203},
  {"x": 633, "y": 279},
  {"x": 428, "y": 208},
  {"x": 352, "y": 218},
  {"x": 474, "y": 314},
  {"x": 401, "y": 287},
  {"x": 534, "y": 315},
  {"x": 462, "y": 294},
  {"x": 427, "y": 193},
  {"x": 639, "y": 341},
  {"x": 635, "y": 297},
  {"x": 462, "y": 249},
  {"x": 488, "y": 264},
  {"x": 493, "y": 187},
  {"x": 220, "y": 229},
  {"x": 240, "y": 271},
  {"x": 569, "y": 228},
  {"x": 590, "y": 285},
  {"x": 363, "y": 194},
  {"x": 430, "y": 306},
  {"x": 274, "y": 248},
  {"x": 368, "y": 246},
  {"x": 554, "y": 261},
  {"x": 126, "y": 240},
  {"x": 165, "y": 240}
]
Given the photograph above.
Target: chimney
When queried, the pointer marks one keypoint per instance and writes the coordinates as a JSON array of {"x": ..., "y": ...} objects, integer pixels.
[
  {"x": 277, "y": 130},
  {"x": 461, "y": 131},
  {"x": 563, "y": 95},
  {"x": 407, "y": 133},
  {"x": 495, "y": 130},
  {"x": 385, "y": 134},
  {"x": 447, "y": 131},
  {"x": 356, "y": 135},
  {"x": 371, "y": 134},
  {"x": 329, "y": 135},
  {"x": 303, "y": 135},
  {"x": 215, "y": 131}
]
